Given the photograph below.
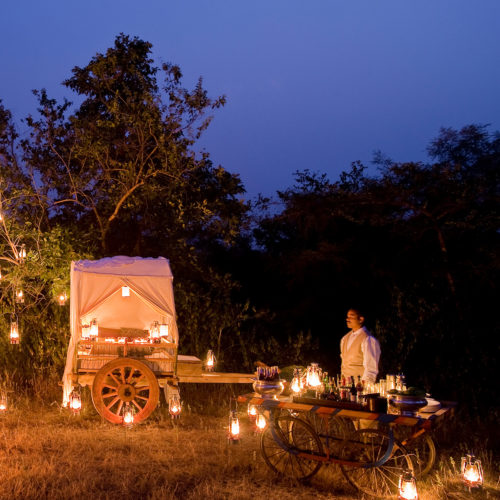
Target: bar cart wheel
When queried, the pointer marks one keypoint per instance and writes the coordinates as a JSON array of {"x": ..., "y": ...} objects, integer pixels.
[
  {"x": 282, "y": 443},
  {"x": 423, "y": 452},
  {"x": 125, "y": 381},
  {"x": 368, "y": 447}
]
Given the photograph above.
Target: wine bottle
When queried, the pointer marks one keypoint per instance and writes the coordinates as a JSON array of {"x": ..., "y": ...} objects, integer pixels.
[{"x": 353, "y": 391}]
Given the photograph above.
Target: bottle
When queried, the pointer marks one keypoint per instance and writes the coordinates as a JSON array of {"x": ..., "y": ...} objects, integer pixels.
[
  {"x": 326, "y": 384},
  {"x": 353, "y": 391},
  {"x": 359, "y": 390}
]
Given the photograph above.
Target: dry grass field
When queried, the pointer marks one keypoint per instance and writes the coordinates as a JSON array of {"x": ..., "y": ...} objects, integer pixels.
[{"x": 45, "y": 453}]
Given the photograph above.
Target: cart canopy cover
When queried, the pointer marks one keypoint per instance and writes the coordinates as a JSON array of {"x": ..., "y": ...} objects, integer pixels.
[{"x": 96, "y": 293}]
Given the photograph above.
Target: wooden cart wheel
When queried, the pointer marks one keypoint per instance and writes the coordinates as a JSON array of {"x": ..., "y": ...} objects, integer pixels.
[
  {"x": 423, "y": 453},
  {"x": 282, "y": 451},
  {"x": 125, "y": 381},
  {"x": 367, "y": 447}
]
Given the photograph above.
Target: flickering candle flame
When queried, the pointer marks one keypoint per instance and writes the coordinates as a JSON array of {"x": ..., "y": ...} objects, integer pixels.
[
  {"x": 75, "y": 402},
  {"x": 407, "y": 487},
  {"x": 252, "y": 411},
  {"x": 472, "y": 471},
  {"x": 154, "y": 330},
  {"x": 19, "y": 296},
  {"x": 62, "y": 299},
  {"x": 210, "y": 364},
  {"x": 261, "y": 422},
  {"x": 296, "y": 385},
  {"x": 235, "y": 428},
  {"x": 471, "y": 474},
  {"x": 14, "y": 333},
  {"x": 94, "y": 329}
]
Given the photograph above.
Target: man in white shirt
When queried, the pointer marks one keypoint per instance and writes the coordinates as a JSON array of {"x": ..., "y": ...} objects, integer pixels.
[{"x": 359, "y": 349}]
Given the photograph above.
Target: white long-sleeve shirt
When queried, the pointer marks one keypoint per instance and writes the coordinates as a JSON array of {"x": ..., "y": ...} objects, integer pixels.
[{"x": 370, "y": 348}]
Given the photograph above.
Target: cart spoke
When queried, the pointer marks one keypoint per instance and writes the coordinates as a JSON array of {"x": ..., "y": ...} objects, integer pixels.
[
  {"x": 112, "y": 403},
  {"x": 137, "y": 405},
  {"x": 142, "y": 397},
  {"x": 109, "y": 394},
  {"x": 107, "y": 386},
  {"x": 120, "y": 406},
  {"x": 122, "y": 374},
  {"x": 141, "y": 389}
]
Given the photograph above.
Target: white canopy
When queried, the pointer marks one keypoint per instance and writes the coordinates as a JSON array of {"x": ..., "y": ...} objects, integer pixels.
[{"x": 96, "y": 294}]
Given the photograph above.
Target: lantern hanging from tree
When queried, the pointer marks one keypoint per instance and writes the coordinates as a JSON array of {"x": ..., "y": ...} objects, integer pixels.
[
  {"x": 62, "y": 298},
  {"x": 472, "y": 471},
  {"x": 21, "y": 255},
  {"x": 210, "y": 362},
  {"x": 19, "y": 296},
  {"x": 407, "y": 486},
  {"x": 14, "y": 331}
]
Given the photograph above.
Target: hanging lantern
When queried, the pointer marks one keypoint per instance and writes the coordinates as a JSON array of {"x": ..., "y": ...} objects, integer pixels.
[
  {"x": 313, "y": 376},
  {"x": 260, "y": 422},
  {"x": 174, "y": 406},
  {"x": 407, "y": 486},
  {"x": 94, "y": 329},
  {"x": 234, "y": 427},
  {"x": 3, "y": 402},
  {"x": 19, "y": 296},
  {"x": 154, "y": 331},
  {"x": 252, "y": 412},
  {"x": 125, "y": 291},
  {"x": 128, "y": 415},
  {"x": 62, "y": 298},
  {"x": 472, "y": 472},
  {"x": 21, "y": 255},
  {"x": 164, "y": 330},
  {"x": 75, "y": 402},
  {"x": 14, "y": 332},
  {"x": 210, "y": 362}
]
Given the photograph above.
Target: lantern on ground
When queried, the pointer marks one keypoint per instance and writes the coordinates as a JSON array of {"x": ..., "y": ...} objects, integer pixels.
[
  {"x": 407, "y": 486},
  {"x": 94, "y": 329},
  {"x": 154, "y": 331},
  {"x": 174, "y": 406},
  {"x": 210, "y": 362},
  {"x": 75, "y": 402},
  {"x": 3, "y": 402},
  {"x": 313, "y": 377},
  {"x": 252, "y": 412},
  {"x": 14, "y": 332},
  {"x": 125, "y": 291},
  {"x": 19, "y": 296},
  {"x": 234, "y": 427},
  {"x": 62, "y": 298},
  {"x": 128, "y": 415},
  {"x": 260, "y": 422},
  {"x": 472, "y": 471}
]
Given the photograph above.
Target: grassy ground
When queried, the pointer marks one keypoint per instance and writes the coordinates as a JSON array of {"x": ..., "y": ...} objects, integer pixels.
[{"x": 45, "y": 453}]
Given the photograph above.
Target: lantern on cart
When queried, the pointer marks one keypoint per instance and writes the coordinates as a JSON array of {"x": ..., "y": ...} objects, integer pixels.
[
  {"x": 75, "y": 402},
  {"x": 3, "y": 402},
  {"x": 313, "y": 377},
  {"x": 85, "y": 331},
  {"x": 94, "y": 329},
  {"x": 407, "y": 486},
  {"x": 252, "y": 412},
  {"x": 154, "y": 331},
  {"x": 234, "y": 427},
  {"x": 128, "y": 415},
  {"x": 14, "y": 331},
  {"x": 297, "y": 385},
  {"x": 174, "y": 406},
  {"x": 164, "y": 330},
  {"x": 260, "y": 422},
  {"x": 210, "y": 362},
  {"x": 472, "y": 471}
]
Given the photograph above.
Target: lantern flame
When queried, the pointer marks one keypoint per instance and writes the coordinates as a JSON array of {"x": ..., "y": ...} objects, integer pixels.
[
  {"x": 313, "y": 376},
  {"x": 472, "y": 471},
  {"x": 62, "y": 299},
  {"x": 128, "y": 416},
  {"x": 14, "y": 332},
  {"x": 75, "y": 402},
  {"x": 252, "y": 411},
  {"x": 3, "y": 402},
  {"x": 94, "y": 329},
  {"x": 261, "y": 422},
  {"x": 407, "y": 487},
  {"x": 210, "y": 364},
  {"x": 174, "y": 406}
]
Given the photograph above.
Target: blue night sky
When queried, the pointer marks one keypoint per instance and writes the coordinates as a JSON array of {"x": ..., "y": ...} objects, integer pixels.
[{"x": 310, "y": 84}]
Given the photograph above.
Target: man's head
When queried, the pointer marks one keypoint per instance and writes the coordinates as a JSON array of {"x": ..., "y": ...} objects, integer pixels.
[{"x": 354, "y": 319}]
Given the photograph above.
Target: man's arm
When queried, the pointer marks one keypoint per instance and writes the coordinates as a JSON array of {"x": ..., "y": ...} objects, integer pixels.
[{"x": 371, "y": 356}]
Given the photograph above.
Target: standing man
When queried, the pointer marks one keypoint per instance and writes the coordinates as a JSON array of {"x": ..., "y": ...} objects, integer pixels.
[{"x": 359, "y": 349}]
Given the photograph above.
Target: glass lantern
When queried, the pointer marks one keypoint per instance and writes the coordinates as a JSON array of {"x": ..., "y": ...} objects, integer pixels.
[
  {"x": 75, "y": 402},
  {"x": 210, "y": 362},
  {"x": 19, "y": 296},
  {"x": 297, "y": 384},
  {"x": 252, "y": 412},
  {"x": 14, "y": 332},
  {"x": 234, "y": 426},
  {"x": 128, "y": 415},
  {"x": 472, "y": 471},
  {"x": 260, "y": 422},
  {"x": 174, "y": 406},
  {"x": 94, "y": 329},
  {"x": 3, "y": 402},
  {"x": 313, "y": 377},
  {"x": 61, "y": 299},
  {"x": 407, "y": 486},
  {"x": 164, "y": 330}
]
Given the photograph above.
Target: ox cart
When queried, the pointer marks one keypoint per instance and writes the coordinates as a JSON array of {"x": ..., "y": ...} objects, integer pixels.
[{"x": 124, "y": 338}]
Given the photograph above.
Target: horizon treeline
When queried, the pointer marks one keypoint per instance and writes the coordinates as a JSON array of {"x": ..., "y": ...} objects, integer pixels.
[{"x": 414, "y": 246}]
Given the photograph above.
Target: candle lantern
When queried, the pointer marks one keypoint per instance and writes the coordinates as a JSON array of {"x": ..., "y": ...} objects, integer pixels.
[
  {"x": 75, "y": 402},
  {"x": 85, "y": 331},
  {"x": 260, "y": 422},
  {"x": 62, "y": 298},
  {"x": 94, "y": 329},
  {"x": 128, "y": 415},
  {"x": 174, "y": 406},
  {"x": 407, "y": 486},
  {"x": 14, "y": 332},
  {"x": 472, "y": 471},
  {"x": 154, "y": 331},
  {"x": 164, "y": 330},
  {"x": 125, "y": 291},
  {"x": 3, "y": 402},
  {"x": 252, "y": 412},
  {"x": 313, "y": 376},
  {"x": 22, "y": 254},
  {"x": 19, "y": 296},
  {"x": 210, "y": 362},
  {"x": 234, "y": 427},
  {"x": 297, "y": 385}
]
